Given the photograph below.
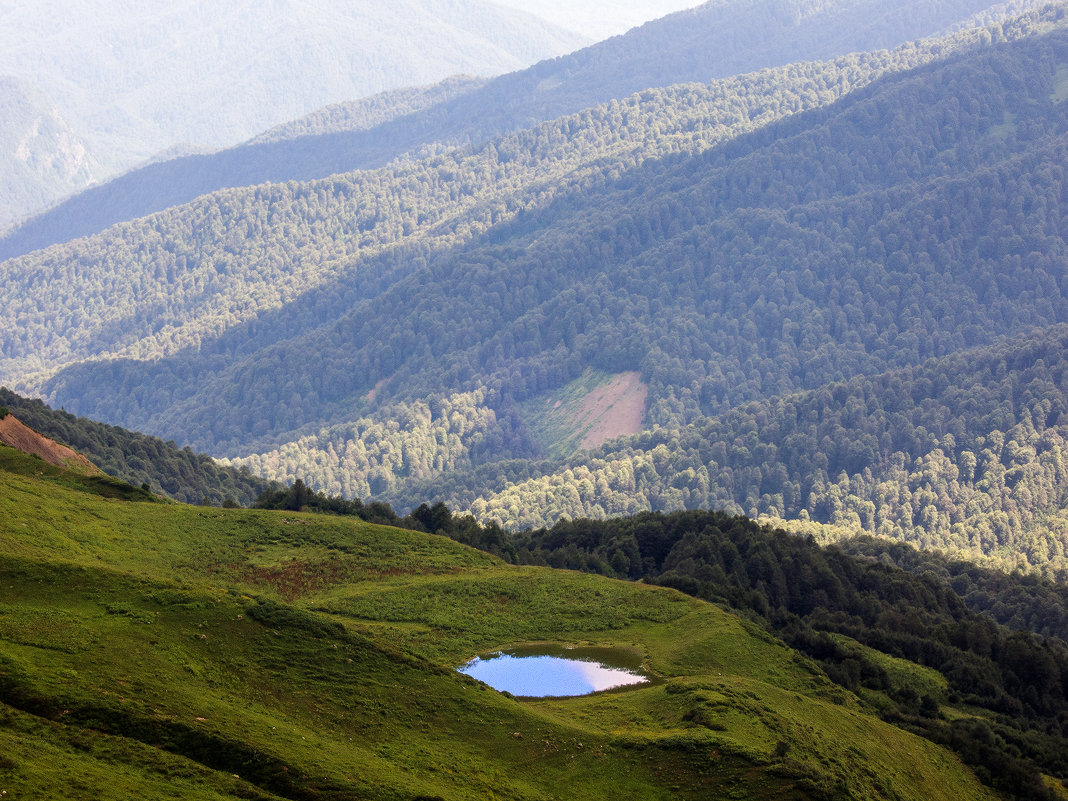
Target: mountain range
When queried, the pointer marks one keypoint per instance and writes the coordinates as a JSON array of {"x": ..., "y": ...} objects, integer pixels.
[
  {"x": 714, "y": 40},
  {"x": 43, "y": 157},
  {"x": 726, "y": 243},
  {"x": 736, "y": 346},
  {"x": 442, "y": 325},
  {"x": 133, "y": 80}
]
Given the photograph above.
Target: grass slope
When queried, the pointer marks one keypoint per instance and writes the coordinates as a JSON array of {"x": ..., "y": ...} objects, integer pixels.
[
  {"x": 159, "y": 650},
  {"x": 18, "y": 435}
]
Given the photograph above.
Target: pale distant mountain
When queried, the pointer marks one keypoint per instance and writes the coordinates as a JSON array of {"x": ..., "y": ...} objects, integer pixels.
[
  {"x": 599, "y": 19},
  {"x": 370, "y": 112},
  {"x": 142, "y": 77},
  {"x": 41, "y": 156}
]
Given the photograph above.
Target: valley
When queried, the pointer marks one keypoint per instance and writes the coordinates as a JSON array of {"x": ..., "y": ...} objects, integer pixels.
[{"x": 735, "y": 344}]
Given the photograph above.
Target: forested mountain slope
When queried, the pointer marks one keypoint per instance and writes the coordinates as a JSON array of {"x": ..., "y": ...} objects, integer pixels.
[
  {"x": 354, "y": 235},
  {"x": 370, "y": 112},
  {"x": 964, "y": 453},
  {"x": 715, "y": 40},
  {"x": 739, "y": 273},
  {"x": 684, "y": 234},
  {"x": 977, "y": 472},
  {"x": 139, "y": 459}
]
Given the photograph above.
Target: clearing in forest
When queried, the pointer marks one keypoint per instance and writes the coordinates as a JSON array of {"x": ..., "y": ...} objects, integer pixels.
[{"x": 588, "y": 411}]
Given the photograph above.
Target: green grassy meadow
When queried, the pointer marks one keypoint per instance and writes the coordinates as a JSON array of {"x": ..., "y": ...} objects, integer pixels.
[{"x": 156, "y": 650}]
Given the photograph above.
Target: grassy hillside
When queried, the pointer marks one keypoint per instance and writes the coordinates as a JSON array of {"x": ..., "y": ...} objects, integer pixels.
[
  {"x": 232, "y": 653},
  {"x": 910, "y": 643},
  {"x": 585, "y": 412}
]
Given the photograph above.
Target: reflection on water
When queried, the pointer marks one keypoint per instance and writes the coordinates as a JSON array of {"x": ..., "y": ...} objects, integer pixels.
[{"x": 556, "y": 671}]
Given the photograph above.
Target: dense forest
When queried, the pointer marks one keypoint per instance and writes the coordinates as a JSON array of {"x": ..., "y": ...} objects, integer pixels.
[
  {"x": 831, "y": 292},
  {"x": 715, "y": 40},
  {"x": 139, "y": 459},
  {"x": 606, "y": 251},
  {"x": 964, "y": 453},
  {"x": 210, "y": 274}
]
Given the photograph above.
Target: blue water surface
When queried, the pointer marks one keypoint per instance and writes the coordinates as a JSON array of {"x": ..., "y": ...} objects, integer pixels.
[{"x": 540, "y": 676}]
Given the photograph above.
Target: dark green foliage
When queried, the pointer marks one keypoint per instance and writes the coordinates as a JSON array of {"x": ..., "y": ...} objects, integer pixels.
[
  {"x": 252, "y": 247},
  {"x": 298, "y": 497},
  {"x": 1024, "y": 602},
  {"x": 805, "y": 593},
  {"x": 138, "y": 459},
  {"x": 962, "y": 453},
  {"x": 741, "y": 273}
]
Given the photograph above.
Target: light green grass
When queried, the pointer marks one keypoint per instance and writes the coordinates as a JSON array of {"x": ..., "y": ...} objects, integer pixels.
[
  {"x": 156, "y": 650},
  {"x": 901, "y": 672}
]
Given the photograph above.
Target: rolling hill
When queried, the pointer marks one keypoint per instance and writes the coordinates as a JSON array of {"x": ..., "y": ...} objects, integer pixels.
[
  {"x": 236, "y": 653},
  {"x": 140, "y": 460},
  {"x": 715, "y": 40},
  {"x": 14, "y": 433}
]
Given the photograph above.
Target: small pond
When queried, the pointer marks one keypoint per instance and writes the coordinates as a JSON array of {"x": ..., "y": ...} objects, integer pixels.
[{"x": 554, "y": 671}]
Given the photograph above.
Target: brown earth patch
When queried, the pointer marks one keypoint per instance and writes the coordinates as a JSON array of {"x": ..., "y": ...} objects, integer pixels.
[
  {"x": 614, "y": 409},
  {"x": 372, "y": 394},
  {"x": 294, "y": 579},
  {"x": 18, "y": 435}
]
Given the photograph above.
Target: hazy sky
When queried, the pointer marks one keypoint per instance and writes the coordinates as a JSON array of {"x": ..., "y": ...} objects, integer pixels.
[{"x": 599, "y": 19}]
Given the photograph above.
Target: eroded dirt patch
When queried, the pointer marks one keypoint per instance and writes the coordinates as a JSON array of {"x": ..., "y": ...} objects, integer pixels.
[
  {"x": 613, "y": 409},
  {"x": 14, "y": 433}
]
